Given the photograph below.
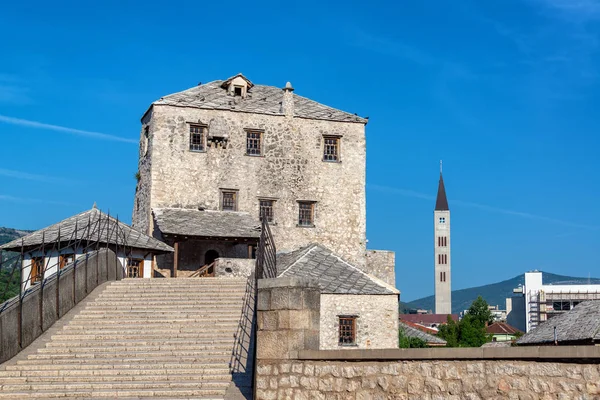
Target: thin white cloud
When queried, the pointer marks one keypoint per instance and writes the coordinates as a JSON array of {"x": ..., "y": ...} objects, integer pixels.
[
  {"x": 32, "y": 177},
  {"x": 14, "y": 199},
  {"x": 469, "y": 204},
  {"x": 57, "y": 128}
]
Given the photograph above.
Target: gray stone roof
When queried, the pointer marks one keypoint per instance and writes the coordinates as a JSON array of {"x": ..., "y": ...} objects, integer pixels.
[
  {"x": 217, "y": 224},
  {"x": 335, "y": 276},
  {"x": 260, "y": 99},
  {"x": 581, "y": 324},
  {"x": 92, "y": 226},
  {"x": 411, "y": 332}
]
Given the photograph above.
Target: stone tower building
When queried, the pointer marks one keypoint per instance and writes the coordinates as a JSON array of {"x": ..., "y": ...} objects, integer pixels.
[
  {"x": 217, "y": 157},
  {"x": 442, "y": 259}
]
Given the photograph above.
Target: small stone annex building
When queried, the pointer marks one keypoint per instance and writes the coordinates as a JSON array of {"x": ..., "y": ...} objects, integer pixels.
[{"x": 50, "y": 249}]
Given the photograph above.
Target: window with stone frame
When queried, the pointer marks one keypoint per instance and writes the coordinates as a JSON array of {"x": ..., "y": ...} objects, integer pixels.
[
  {"x": 331, "y": 148},
  {"x": 266, "y": 210},
  {"x": 306, "y": 213},
  {"x": 347, "y": 330},
  {"x": 228, "y": 200},
  {"x": 254, "y": 142},
  {"x": 197, "y": 137}
]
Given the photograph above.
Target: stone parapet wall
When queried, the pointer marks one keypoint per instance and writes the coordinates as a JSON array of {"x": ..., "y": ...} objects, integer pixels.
[
  {"x": 420, "y": 380},
  {"x": 288, "y": 317},
  {"x": 234, "y": 267}
]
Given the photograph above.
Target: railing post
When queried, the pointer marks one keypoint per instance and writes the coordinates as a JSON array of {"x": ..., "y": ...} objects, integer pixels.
[
  {"x": 41, "y": 302},
  {"x": 58, "y": 278},
  {"x": 75, "y": 266},
  {"x": 21, "y": 275}
]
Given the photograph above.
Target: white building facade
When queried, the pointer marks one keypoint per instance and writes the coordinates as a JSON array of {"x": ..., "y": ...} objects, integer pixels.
[
  {"x": 442, "y": 257},
  {"x": 534, "y": 302}
]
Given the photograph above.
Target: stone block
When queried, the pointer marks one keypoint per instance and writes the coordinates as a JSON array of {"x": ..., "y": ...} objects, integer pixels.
[
  {"x": 280, "y": 299},
  {"x": 312, "y": 299},
  {"x": 283, "y": 320},
  {"x": 300, "y": 319},
  {"x": 267, "y": 320},
  {"x": 263, "y": 300},
  {"x": 296, "y": 296},
  {"x": 295, "y": 340},
  {"x": 272, "y": 345}
]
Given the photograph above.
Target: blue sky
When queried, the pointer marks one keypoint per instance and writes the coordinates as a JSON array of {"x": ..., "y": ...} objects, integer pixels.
[{"x": 506, "y": 93}]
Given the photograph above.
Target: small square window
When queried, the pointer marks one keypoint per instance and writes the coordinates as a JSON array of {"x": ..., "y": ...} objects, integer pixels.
[
  {"x": 237, "y": 90},
  {"x": 266, "y": 210},
  {"x": 331, "y": 148},
  {"x": 306, "y": 213},
  {"x": 254, "y": 143},
  {"x": 228, "y": 200},
  {"x": 347, "y": 330},
  {"x": 442, "y": 220},
  {"x": 197, "y": 135}
]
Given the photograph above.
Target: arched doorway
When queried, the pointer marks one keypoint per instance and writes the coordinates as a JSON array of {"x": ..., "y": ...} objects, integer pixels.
[{"x": 210, "y": 257}]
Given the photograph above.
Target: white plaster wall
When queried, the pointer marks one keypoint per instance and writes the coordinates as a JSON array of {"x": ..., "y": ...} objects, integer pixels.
[
  {"x": 377, "y": 322},
  {"x": 290, "y": 170}
]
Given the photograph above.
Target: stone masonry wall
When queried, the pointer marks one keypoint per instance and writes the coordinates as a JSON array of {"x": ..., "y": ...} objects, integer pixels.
[
  {"x": 141, "y": 203},
  {"x": 288, "y": 317},
  {"x": 426, "y": 380},
  {"x": 376, "y": 322},
  {"x": 381, "y": 264},
  {"x": 290, "y": 170}
]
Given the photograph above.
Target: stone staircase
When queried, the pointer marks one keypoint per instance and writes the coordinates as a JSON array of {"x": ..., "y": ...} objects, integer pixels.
[{"x": 139, "y": 338}]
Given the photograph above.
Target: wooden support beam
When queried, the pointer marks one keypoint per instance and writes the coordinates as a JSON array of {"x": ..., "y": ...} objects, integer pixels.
[{"x": 175, "y": 259}]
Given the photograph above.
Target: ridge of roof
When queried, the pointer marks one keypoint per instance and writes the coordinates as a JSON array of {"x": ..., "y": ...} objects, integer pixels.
[
  {"x": 68, "y": 229},
  {"x": 262, "y": 99},
  {"x": 441, "y": 202}
]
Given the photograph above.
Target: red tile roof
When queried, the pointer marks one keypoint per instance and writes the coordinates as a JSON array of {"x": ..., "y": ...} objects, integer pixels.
[
  {"x": 501, "y": 328},
  {"x": 422, "y": 328}
]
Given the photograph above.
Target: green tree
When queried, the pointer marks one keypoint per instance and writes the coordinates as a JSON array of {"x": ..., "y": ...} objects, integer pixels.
[
  {"x": 480, "y": 311},
  {"x": 470, "y": 331},
  {"x": 450, "y": 332}
]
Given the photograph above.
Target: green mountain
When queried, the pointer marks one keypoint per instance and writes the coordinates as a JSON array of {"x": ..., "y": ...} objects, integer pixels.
[
  {"x": 9, "y": 287},
  {"x": 495, "y": 293}
]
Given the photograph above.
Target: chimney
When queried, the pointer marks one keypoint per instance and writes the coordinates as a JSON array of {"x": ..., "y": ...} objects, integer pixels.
[{"x": 288, "y": 100}]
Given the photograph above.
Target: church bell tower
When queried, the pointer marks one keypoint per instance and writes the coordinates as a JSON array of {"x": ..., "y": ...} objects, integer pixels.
[{"x": 442, "y": 260}]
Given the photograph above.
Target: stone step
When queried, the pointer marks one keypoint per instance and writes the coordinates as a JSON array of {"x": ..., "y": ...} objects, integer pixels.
[
  {"x": 173, "y": 393},
  {"x": 104, "y": 369},
  {"x": 133, "y": 348},
  {"x": 147, "y": 384},
  {"x": 164, "y": 315},
  {"x": 58, "y": 341},
  {"x": 132, "y": 362},
  {"x": 188, "y": 337},
  {"x": 140, "y": 332},
  {"x": 155, "y": 322},
  {"x": 46, "y": 376},
  {"x": 210, "y": 354},
  {"x": 163, "y": 310}
]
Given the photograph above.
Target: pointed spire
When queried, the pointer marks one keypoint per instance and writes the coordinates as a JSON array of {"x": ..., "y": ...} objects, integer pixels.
[
  {"x": 94, "y": 206},
  {"x": 441, "y": 203}
]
